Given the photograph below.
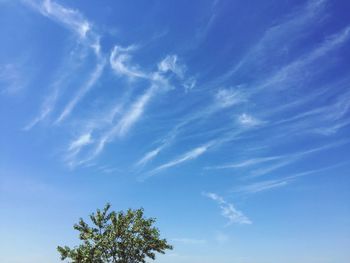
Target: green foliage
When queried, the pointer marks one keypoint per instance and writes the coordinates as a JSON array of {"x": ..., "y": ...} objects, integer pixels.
[{"x": 116, "y": 237}]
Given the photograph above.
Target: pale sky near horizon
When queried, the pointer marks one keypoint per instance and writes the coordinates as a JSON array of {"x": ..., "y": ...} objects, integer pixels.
[{"x": 228, "y": 121}]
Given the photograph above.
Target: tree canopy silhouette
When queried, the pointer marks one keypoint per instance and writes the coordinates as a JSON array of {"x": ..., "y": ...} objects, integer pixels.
[{"x": 116, "y": 237}]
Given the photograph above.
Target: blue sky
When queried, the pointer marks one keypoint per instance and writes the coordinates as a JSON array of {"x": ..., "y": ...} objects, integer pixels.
[{"x": 228, "y": 121}]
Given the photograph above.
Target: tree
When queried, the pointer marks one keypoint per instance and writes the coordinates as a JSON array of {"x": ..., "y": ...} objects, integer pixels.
[{"x": 116, "y": 237}]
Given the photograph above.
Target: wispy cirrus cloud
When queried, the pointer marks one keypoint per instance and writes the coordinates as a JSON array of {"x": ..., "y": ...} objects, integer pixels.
[
  {"x": 84, "y": 139},
  {"x": 228, "y": 97},
  {"x": 228, "y": 210},
  {"x": 263, "y": 186},
  {"x": 291, "y": 158},
  {"x": 275, "y": 37},
  {"x": 292, "y": 72},
  {"x": 150, "y": 155},
  {"x": 135, "y": 112},
  {"x": 70, "y": 18},
  {"x": 170, "y": 63},
  {"x": 223, "y": 99},
  {"x": 158, "y": 82},
  {"x": 190, "y": 155},
  {"x": 275, "y": 162},
  {"x": 247, "y": 120},
  {"x": 247, "y": 163},
  {"x": 123, "y": 63},
  {"x": 325, "y": 119},
  {"x": 128, "y": 119},
  {"x": 120, "y": 62},
  {"x": 49, "y": 103},
  {"x": 282, "y": 181},
  {"x": 332, "y": 129},
  {"x": 76, "y": 146},
  {"x": 85, "y": 88},
  {"x": 87, "y": 36}
]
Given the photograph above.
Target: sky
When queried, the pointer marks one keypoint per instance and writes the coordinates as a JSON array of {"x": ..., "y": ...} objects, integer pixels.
[{"x": 228, "y": 121}]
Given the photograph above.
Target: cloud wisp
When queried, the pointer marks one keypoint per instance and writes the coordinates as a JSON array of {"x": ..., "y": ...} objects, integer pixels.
[
  {"x": 276, "y": 36},
  {"x": 247, "y": 163},
  {"x": 128, "y": 119},
  {"x": 159, "y": 81},
  {"x": 226, "y": 98},
  {"x": 68, "y": 17},
  {"x": 75, "y": 148},
  {"x": 91, "y": 81},
  {"x": 291, "y": 158},
  {"x": 274, "y": 162},
  {"x": 188, "y": 156},
  {"x": 248, "y": 121},
  {"x": 150, "y": 155},
  {"x": 87, "y": 37},
  {"x": 170, "y": 63},
  {"x": 263, "y": 186},
  {"x": 228, "y": 210},
  {"x": 283, "y": 181},
  {"x": 120, "y": 62},
  {"x": 50, "y": 101}
]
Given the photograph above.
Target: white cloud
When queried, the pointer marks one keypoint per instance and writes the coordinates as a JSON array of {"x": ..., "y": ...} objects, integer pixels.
[
  {"x": 277, "y": 183},
  {"x": 135, "y": 112},
  {"x": 247, "y": 163},
  {"x": 190, "y": 84},
  {"x": 262, "y": 186},
  {"x": 91, "y": 81},
  {"x": 190, "y": 155},
  {"x": 229, "y": 97},
  {"x": 273, "y": 167},
  {"x": 325, "y": 120},
  {"x": 277, "y": 161},
  {"x": 228, "y": 210},
  {"x": 75, "y": 148},
  {"x": 278, "y": 35},
  {"x": 128, "y": 119},
  {"x": 292, "y": 73},
  {"x": 149, "y": 156},
  {"x": 248, "y": 121},
  {"x": 170, "y": 63},
  {"x": 46, "y": 108},
  {"x": 71, "y": 18},
  {"x": 330, "y": 130},
  {"x": 83, "y": 140},
  {"x": 293, "y": 157},
  {"x": 120, "y": 63},
  {"x": 77, "y": 23}
]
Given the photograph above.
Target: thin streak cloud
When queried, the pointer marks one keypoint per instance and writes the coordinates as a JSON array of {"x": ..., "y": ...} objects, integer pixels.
[
  {"x": 93, "y": 78},
  {"x": 120, "y": 63},
  {"x": 71, "y": 18},
  {"x": 190, "y": 155},
  {"x": 228, "y": 210}
]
